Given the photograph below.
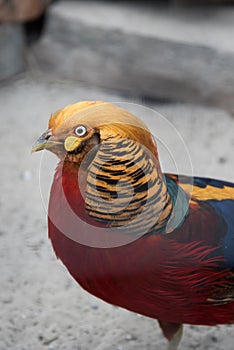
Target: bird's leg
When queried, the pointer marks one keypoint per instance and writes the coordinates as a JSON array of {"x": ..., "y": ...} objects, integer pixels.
[
  {"x": 175, "y": 341},
  {"x": 173, "y": 332}
]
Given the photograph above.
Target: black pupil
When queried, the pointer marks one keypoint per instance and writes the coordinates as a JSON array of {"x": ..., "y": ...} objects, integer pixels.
[{"x": 80, "y": 131}]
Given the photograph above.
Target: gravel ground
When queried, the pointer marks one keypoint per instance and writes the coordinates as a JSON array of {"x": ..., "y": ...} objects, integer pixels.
[{"x": 41, "y": 306}]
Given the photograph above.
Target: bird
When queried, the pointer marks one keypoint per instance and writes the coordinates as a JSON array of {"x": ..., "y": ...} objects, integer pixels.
[{"x": 157, "y": 244}]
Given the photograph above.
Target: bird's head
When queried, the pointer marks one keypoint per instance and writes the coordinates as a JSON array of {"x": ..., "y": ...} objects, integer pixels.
[
  {"x": 115, "y": 157},
  {"x": 75, "y": 130}
]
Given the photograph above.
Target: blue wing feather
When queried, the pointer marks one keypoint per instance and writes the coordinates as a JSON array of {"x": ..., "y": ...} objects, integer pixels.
[
  {"x": 203, "y": 182},
  {"x": 221, "y": 210},
  {"x": 225, "y": 208}
]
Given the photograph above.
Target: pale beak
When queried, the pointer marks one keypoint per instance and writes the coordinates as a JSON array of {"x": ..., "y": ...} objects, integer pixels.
[{"x": 44, "y": 142}]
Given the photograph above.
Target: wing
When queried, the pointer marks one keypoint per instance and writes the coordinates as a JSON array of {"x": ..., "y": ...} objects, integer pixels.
[
  {"x": 205, "y": 188},
  {"x": 211, "y": 220},
  {"x": 213, "y": 202}
]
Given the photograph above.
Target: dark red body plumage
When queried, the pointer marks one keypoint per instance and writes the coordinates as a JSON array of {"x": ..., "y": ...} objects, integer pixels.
[
  {"x": 155, "y": 274},
  {"x": 176, "y": 260}
]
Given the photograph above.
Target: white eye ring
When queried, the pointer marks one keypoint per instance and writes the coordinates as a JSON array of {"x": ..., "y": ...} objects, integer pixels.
[{"x": 80, "y": 130}]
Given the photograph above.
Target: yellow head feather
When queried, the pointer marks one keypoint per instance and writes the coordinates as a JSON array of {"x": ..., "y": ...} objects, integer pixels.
[
  {"x": 59, "y": 117},
  {"x": 109, "y": 119}
]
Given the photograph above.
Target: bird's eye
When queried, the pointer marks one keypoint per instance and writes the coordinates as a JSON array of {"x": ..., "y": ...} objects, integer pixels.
[{"x": 80, "y": 130}]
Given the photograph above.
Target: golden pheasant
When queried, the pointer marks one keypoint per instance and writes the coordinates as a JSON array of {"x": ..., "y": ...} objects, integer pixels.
[{"x": 130, "y": 234}]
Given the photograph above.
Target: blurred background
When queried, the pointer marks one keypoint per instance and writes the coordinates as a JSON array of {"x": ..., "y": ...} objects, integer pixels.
[
  {"x": 175, "y": 57},
  {"x": 175, "y": 50}
]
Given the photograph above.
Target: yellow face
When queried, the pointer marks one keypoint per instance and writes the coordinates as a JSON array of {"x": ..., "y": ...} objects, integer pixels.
[{"x": 76, "y": 129}]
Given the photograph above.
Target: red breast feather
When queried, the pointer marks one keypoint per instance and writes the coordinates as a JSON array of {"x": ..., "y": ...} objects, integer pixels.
[{"x": 155, "y": 274}]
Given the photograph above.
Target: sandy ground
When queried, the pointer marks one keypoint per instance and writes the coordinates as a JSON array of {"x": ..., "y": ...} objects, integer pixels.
[{"x": 41, "y": 306}]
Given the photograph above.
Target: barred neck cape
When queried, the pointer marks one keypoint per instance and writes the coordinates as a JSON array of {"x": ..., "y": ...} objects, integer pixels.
[
  {"x": 178, "y": 264},
  {"x": 119, "y": 178}
]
